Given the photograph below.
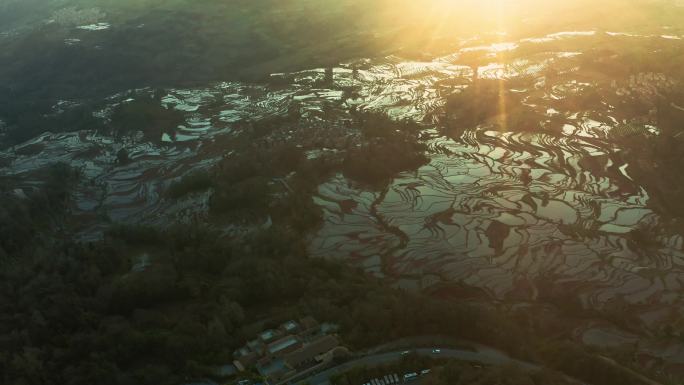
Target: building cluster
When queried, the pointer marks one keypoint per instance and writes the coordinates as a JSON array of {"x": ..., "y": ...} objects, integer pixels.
[
  {"x": 386, "y": 380},
  {"x": 314, "y": 135},
  {"x": 646, "y": 85},
  {"x": 393, "y": 379},
  {"x": 293, "y": 349}
]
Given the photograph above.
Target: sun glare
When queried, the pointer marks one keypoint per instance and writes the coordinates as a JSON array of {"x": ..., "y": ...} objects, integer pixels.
[
  {"x": 443, "y": 15},
  {"x": 465, "y": 5}
]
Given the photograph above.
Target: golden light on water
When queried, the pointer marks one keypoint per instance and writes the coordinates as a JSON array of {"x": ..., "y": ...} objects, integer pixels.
[
  {"x": 430, "y": 28},
  {"x": 497, "y": 12}
]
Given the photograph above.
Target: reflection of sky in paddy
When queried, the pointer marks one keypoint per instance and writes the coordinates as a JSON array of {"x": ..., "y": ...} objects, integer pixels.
[
  {"x": 504, "y": 212},
  {"x": 497, "y": 210}
]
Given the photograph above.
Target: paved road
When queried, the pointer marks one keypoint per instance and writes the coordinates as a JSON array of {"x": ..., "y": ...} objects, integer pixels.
[{"x": 482, "y": 355}]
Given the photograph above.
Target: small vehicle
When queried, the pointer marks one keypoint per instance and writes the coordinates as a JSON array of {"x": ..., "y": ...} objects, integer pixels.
[
  {"x": 424, "y": 372},
  {"x": 436, "y": 351},
  {"x": 410, "y": 377},
  {"x": 405, "y": 352}
]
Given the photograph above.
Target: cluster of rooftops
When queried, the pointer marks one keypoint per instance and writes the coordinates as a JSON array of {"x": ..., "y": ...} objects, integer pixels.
[{"x": 295, "y": 347}]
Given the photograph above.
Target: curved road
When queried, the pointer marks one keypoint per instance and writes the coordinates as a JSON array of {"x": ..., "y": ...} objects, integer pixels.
[{"x": 481, "y": 355}]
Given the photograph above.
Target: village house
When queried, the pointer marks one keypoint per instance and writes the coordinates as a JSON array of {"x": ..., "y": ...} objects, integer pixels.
[{"x": 292, "y": 348}]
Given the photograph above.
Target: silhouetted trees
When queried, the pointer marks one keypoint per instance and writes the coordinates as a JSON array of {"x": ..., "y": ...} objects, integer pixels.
[
  {"x": 145, "y": 114},
  {"x": 390, "y": 147},
  {"x": 195, "y": 182},
  {"x": 25, "y": 214}
]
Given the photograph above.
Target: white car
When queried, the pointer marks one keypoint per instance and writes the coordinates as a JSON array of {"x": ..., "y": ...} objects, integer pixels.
[
  {"x": 410, "y": 377},
  {"x": 436, "y": 351}
]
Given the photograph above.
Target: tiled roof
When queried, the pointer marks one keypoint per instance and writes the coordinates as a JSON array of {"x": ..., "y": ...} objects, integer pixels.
[
  {"x": 282, "y": 344},
  {"x": 310, "y": 351}
]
